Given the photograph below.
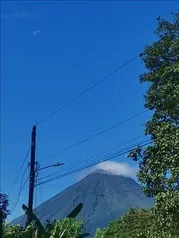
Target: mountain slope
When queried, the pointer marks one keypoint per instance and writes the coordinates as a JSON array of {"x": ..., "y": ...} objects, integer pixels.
[{"x": 104, "y": 196}]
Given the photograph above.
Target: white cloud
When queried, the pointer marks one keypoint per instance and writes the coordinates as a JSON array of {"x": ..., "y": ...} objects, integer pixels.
[
  {"x": 113, "y": 167},
  {"x": 36, "y": 32}
]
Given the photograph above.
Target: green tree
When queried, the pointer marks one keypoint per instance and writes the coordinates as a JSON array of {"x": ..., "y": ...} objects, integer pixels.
[
  {"x": 100, "y": 233},
  {"x": 136, "y": 223},
  {"x": 159, "y": 162},
  {"x": 66, "y": 228},
  {"x": 14, "y": 231},
  {"x": 4, "y": 202}
]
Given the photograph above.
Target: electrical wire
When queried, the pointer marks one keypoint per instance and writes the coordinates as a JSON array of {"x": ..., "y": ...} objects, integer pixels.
[
  {"x": 19, "y": 171},
  {"x": 92, "y": 157},
  {"x": 17, "y": 200},
  {"x": 93, "y": 136},
  {"x": 38, "y": 180},
  {"x": 87, "y": 90},
  {"x": 35, "y": 194},
  {"x": 21, "y": 185},
  {"x": 41, "y": 195},
  {"x": 94, "y": 162},
  {"x": 89, "y": 160},
  {"x": 108, "y": 157}
]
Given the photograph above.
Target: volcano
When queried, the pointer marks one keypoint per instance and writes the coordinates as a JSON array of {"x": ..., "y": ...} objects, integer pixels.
[{"x": 105, "y": 197}]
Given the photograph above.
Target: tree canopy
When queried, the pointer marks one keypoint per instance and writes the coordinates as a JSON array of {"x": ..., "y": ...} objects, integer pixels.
[
  {"x": 136, "y": 223},
  {"x": 4, "y": 202},
  {"x": 159, "y": 162}
]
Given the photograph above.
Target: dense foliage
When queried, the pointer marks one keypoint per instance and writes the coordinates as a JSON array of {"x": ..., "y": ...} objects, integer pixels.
[
  {"x": 66, "y": 228},
  {"x": 4, "y": 202},
  {"x": 136, "y": 223},
  {"x": 159, "y": 162}
]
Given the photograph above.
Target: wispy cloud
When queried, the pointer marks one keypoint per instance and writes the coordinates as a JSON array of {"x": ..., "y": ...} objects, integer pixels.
[
  {"x": 113, "y": 167},
  {"x": 18, "y": 15},
  {"x": 36, "y": 32}
]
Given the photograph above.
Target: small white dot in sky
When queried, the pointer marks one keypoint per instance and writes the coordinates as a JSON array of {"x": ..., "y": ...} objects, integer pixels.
[{"x": 36, "y": 32}]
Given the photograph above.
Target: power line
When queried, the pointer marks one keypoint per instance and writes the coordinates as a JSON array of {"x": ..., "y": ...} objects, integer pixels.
[
  {"x": 99, "y": 160},
  {"x": 87, "y": 90},
  {"x": 92, "y": 162},
  {"x": 41, "y": 194},
  {"x": 21, "y": 187},
  {"x": 51, "y": 209},
  {"x": 19, "y": 171},
  {"x": 108, "y": 157},
  {"x": 85, "y": 162},
  {"x": 17, "y": 200},
  {"x": 92, "y": 157},
  {"x": 93, "y": 136},
  {"x": 35, "y": 194}
]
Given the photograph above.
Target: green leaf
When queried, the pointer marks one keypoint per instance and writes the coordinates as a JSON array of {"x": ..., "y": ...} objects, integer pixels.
[{"x": 34, "y": 218}]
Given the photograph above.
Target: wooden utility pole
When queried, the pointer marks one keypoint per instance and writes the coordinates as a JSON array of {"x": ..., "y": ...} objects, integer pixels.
[{"x": 32, "y": 173}]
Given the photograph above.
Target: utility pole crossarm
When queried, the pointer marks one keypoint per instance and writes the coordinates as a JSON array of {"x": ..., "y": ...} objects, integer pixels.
[{"x": 53, "y": 165}]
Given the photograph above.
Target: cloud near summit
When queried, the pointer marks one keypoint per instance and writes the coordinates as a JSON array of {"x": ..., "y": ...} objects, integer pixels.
[{"x": 113, "y": 167}]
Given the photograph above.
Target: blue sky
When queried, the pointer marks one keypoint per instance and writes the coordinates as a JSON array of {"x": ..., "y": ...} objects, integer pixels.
[{"x": 52, "y": 51}]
